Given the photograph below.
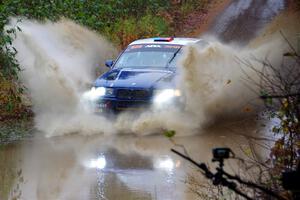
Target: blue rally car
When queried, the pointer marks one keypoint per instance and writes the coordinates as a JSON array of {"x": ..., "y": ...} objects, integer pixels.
[{"x": 143, "y": 75}]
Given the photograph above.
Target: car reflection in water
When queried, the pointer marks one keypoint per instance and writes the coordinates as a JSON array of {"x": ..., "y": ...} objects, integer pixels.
[{"x": 146, "y": 177}]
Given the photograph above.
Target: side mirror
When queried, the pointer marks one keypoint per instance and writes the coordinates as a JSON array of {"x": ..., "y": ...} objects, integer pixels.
[{"x": 109, "y": 63}]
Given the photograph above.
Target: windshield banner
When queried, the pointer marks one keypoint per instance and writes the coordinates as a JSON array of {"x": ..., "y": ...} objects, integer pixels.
[{"x": 153, "y": 47}]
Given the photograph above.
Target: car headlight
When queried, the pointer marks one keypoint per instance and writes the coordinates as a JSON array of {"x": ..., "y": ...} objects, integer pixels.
[
  {"x": 102, "y": 91},
  {"x": 98, "y": 92},
  {"x": 165, "y": 95}
]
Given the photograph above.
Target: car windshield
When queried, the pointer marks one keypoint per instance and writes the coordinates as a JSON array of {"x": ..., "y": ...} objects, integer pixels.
[{"x": 148, "y": 55}]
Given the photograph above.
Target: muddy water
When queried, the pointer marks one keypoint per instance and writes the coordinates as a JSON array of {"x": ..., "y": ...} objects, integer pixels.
[
  {"x": 127, "y": 166},
  {"x": 108, "y": 167},
  {"x": 242, "y": 20}
]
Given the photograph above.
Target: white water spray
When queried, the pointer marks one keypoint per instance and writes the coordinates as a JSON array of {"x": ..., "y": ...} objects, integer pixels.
[{"x": 59, "y": 61}]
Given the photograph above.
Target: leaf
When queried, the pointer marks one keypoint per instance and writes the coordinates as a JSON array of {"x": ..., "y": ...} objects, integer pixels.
[
  {"x": 169, "y": 133},
  {"x": 273, "y": 114},
  {"x": 248, "y": 152},
  {"x": 275, "y": 129},
  {"x": 263, "y": 93},
  {"x": 285, "y": 103},
  {"x": 269, "y": 101}
]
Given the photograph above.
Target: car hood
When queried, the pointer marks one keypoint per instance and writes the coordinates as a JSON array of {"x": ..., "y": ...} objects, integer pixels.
[{"x": 135, "y": 78}]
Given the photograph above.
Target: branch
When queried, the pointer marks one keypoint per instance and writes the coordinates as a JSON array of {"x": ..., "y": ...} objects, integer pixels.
[{"x": 279, "y": 96}]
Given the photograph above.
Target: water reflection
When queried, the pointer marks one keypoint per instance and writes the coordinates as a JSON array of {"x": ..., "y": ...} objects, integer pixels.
[
  {"x": 97, "y": 163},
  {"x": 113, "y": 167},
  {"x": 165, "y": 164},
  {"x": 134, "y": 176},
  {"x": 99, "y": 167}
]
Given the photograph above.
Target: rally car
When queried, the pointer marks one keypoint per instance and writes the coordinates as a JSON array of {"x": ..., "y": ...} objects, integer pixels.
[{"x": 142, "y": 76}]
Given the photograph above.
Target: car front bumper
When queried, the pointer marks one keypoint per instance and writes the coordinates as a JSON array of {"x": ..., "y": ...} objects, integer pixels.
[{"x": 116, "y": 105}]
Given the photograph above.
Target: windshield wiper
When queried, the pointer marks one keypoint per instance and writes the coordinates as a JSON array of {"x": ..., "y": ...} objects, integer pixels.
[{"x": 174, "y": 55}]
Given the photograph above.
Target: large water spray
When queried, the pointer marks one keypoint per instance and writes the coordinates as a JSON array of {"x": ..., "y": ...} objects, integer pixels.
[{"x": 59, "y": 62}]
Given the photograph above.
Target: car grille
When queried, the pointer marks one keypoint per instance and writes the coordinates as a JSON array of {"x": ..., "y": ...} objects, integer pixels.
[
  {"x": 131, "y": 105},
  {"x": 132, "y": 94}
]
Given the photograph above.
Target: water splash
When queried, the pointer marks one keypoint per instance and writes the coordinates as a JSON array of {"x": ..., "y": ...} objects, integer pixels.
[{"x": 60, "y": 59}]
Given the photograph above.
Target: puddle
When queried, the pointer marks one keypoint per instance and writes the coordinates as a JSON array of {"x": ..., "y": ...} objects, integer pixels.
[{"x": 108, "y": 167}]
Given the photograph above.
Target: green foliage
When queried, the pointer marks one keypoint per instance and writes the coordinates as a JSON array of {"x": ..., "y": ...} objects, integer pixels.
[
  {"x": 9, "y": 94},
  {"x": 93, "y": 14},
  {"x": 170, "y": 133},
  {"x": 125, "y": 31},
  {"x": 106, "y": 17},
  {"x": 128, "y": 18},
  {"x": 193, "y": 5},
  {"x": 121, "y": 21}
]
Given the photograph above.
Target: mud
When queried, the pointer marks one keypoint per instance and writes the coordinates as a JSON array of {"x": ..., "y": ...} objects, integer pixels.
[
  {"x": 113, "y": 167},
  {"x": 243, "y": 20}
]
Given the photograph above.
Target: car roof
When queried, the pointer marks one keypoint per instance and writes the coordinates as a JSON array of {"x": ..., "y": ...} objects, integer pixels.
[{"x": 175, "y": 40}]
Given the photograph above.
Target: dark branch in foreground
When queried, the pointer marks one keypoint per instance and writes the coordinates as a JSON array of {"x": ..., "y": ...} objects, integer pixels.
[
  {"x": 221, "y": 177},
  {"x": 279, "y": 96}
]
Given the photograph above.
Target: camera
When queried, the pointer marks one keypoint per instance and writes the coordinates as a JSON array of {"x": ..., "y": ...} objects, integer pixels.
[{"x": 221, "y": 153}]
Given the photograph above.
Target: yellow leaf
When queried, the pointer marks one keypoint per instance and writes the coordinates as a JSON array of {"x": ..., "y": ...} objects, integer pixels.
[
  {"x": 248, "y": 152},
  {"x": 285, "y": 104}
]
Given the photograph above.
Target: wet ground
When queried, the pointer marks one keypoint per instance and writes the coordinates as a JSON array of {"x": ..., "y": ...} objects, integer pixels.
[
  {"x": 126, "y": 166},
  {"x": 243, "y": 20},
  {"x": 11, "y": 131},
  {"x": 110, "y": 167}
]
